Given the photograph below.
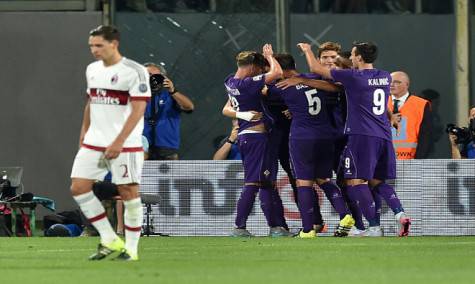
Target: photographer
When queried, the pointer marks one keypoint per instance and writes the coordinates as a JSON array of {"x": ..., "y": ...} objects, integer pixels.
[
  {"x": 462, "y": 139},
  {"x": 162, "y": 116}
]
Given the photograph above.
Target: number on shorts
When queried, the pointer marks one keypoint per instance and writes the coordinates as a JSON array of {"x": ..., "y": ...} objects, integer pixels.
[
  {"x": 314, "y": 102},
  {"x": 126, "y": 170},
  {"x": 234, "y": 103},
  {"x": 379, "y": 101},
  {"x": 347, "y": 163}
]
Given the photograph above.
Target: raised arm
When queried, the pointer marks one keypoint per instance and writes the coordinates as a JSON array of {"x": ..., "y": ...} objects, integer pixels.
[
  {"x": 317, "y": 84},
  {"x": 313, "y": 63},
  {"x": 275, "y": 71},
  {"x": 183, "y": 101}
]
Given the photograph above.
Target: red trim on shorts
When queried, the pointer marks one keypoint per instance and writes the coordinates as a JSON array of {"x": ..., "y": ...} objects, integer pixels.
[
  {"x": 133, "y": 229},
  {"x": 98, "y": 217},
  {"x": 102, "y": 149},
  {"x": 147, "y": 99}
]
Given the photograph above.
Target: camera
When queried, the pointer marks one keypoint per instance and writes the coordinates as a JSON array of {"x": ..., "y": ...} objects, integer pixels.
[
  {"x": 6, "y": 189},
  {"x": 464, "y": 135},
  {"x": 156, "y": 82}
]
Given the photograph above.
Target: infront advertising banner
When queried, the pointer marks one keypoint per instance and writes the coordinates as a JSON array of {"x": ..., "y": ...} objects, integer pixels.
[{"x": 198, "y": 198}]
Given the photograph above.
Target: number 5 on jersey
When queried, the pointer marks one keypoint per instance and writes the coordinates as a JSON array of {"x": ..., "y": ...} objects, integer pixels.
[{"x": 314, "y": 102}]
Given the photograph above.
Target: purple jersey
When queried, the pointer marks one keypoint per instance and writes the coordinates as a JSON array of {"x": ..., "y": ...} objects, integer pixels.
[
  {"x": 367, "y": 93},
  {"x": 309, "y": 119},
  {"x": 246, "y": 95}
]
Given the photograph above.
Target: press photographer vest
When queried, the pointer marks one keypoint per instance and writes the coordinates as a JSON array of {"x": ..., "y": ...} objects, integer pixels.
[{"x": 412, "y": 114}]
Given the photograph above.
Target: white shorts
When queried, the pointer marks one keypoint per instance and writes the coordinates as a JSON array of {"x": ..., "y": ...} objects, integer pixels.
[{"x": 91, "y": 164}]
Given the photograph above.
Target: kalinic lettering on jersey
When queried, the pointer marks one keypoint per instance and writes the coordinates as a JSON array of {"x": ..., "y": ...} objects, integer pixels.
[{"x": 367, "y": 93}]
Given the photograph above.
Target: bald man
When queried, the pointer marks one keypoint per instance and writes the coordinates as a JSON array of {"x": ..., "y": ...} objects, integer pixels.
[{"x": 413, "y": 140}]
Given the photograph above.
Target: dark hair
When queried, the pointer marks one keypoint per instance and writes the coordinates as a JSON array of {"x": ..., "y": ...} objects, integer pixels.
[
  {"x": 109, "y": 33},
  {"x": 345, "y": 54},
  {"x": 245, "y": 58},
  {"x": 367, "y": 50},
  {"x": 327, "y": 46},
  {"x": 286, "y": 61}
]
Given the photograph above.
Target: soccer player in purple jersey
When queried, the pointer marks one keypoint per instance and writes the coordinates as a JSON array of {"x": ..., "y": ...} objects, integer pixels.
[
  {"x": 369, "y": 158},
  {"x": 311, "y": 147},
  {"x": 260, "y": 171}
]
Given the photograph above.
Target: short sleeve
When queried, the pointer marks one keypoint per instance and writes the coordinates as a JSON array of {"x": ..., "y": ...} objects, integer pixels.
[
  {"x": 139, "y": 88},
  {"x": 343, "y": 76},
  {"x": 88, "y": 90},
  {"x": 252, "y": 83}
]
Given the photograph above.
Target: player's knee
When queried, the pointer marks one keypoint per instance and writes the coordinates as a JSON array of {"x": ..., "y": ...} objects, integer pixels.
[
  {"x": 321, "y": 181},
  {"x": 302, "y": 182},
  {"x": 78, "y": 188},
  {"x": 375, "y": 182},
  {"x": 354, "y": 182}
]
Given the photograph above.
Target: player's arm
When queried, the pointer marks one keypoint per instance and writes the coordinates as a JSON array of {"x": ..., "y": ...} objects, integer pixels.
[
  {"x": 229, "y": 111},
  {"x": 223, "y": 151},
  {"x": 138, "y": 110},
  {"x": 275, "y": 71},
  {"x": 313, "y": 63},
  {"x": 317, "y": 84},
  {"x": 86, "y": 121},
  {"x": 183, "y": 101}
]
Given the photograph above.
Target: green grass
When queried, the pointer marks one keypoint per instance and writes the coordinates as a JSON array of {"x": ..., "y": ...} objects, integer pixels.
[{"x": 257, "y": 260}]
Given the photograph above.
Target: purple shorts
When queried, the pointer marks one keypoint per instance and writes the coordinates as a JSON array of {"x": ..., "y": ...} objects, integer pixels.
[
  {"x": 259, "y": 162},
  {"x": 311, "y": 158},
  {"x": 368, "y": 157}
]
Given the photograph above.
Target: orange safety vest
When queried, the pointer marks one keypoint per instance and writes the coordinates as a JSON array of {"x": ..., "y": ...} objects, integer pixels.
[{"x": 412, "y": 113}]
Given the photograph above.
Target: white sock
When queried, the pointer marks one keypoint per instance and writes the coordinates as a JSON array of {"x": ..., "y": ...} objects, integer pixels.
[
  {"x": 133, "y": 220},
  {"x": 399, "y": 215},
  {"x": 95, "y": 213}
]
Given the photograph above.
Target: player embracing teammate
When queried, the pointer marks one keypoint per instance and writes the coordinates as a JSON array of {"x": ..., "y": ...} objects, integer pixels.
[{"x": 368, "y": 159}]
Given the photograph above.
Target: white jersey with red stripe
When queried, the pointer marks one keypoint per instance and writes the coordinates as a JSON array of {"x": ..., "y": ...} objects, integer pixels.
[{"x": 110, "y": 90}]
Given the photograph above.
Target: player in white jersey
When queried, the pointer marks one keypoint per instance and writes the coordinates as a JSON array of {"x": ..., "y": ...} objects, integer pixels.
[{"x": 111, "y": 140}]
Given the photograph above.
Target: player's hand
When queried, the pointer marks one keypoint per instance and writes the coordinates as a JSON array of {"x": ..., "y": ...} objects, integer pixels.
[
  {"x": 287, "y": 114},
  {"x": 113, "y": 151},
  {"x": 234, "y": 134},
  {"x": 267, "y": 50},
  {"x": 452, "y": 139},
  {"x": 305, "y": 47},
  {"x": 284, "y": 84},
  {"x": 265, "y": 90},
  {"x": 167, "y": 83},
  {"x": 256, "y": 115}
]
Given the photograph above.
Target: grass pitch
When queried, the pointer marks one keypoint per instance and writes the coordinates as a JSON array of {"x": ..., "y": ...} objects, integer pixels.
[{"x": 233, "y": 260}]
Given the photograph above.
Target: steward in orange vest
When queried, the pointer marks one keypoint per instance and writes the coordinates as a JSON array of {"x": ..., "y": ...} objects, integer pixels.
[{"x": 414, "y": 138}]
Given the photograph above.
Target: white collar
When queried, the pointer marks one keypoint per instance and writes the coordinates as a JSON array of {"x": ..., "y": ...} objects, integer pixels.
[{"x": 402, "y": 99}]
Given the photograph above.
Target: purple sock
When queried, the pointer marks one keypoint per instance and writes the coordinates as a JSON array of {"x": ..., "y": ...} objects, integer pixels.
[
  {"x": 387, "y": 192},
  {"x": 378, "y": 203},
  {"x": 317, "y": 213},
  {"x": 333, "y": 194},
  {"x": 245, "y": 205},
  {"x": 265, "y": 196},
  {"x": 306, "y": 201},
  {"x": 354, "y": 209},
  {"x": 278, "y": 209},
  {"x": 362, "y": 195}
]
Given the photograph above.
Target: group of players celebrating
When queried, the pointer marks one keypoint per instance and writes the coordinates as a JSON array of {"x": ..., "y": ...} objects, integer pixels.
[{"x": 332, "y": 119}]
